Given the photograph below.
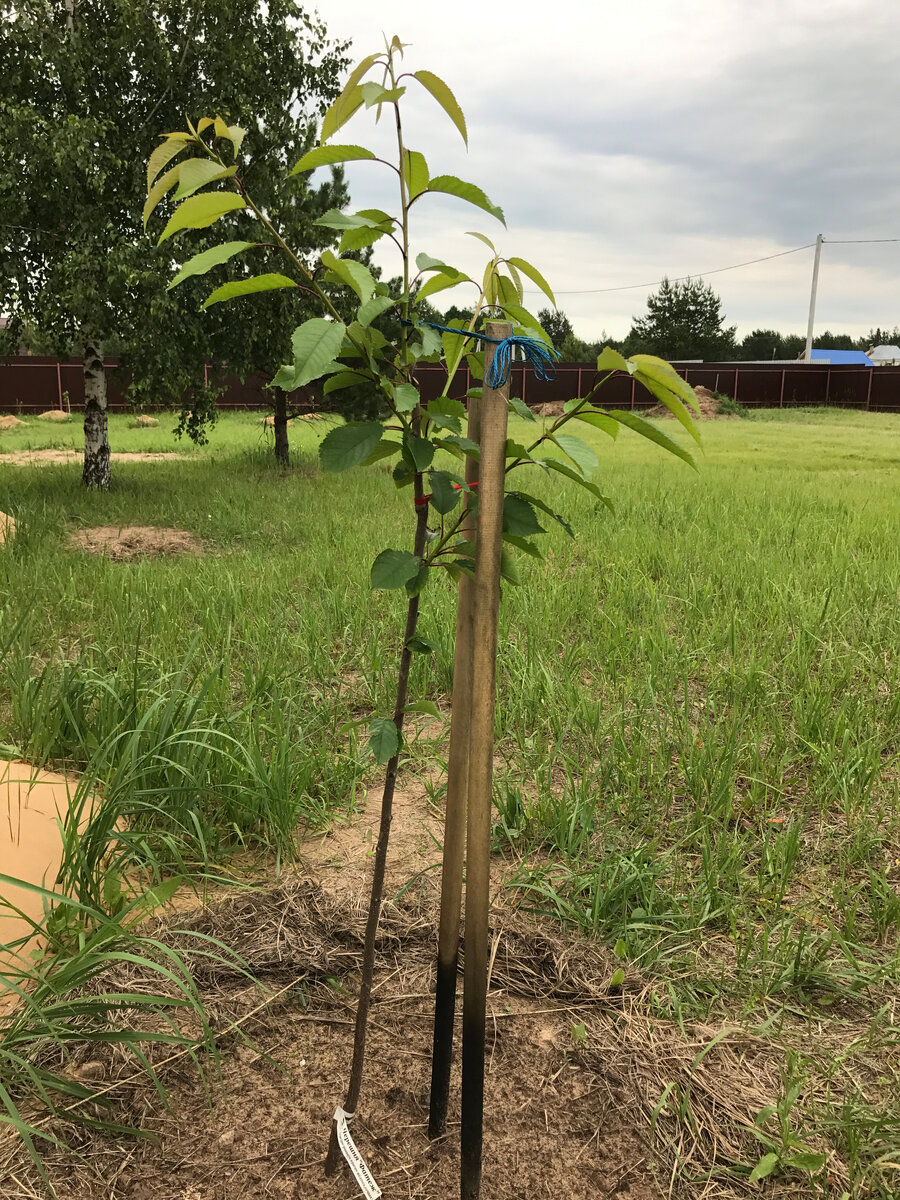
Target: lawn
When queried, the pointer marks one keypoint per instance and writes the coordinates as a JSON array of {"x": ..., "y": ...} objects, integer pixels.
[{"x": 698, "y": 712}]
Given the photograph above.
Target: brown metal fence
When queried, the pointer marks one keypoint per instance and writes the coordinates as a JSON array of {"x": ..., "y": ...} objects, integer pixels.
[{"x": 33, "y": 385}]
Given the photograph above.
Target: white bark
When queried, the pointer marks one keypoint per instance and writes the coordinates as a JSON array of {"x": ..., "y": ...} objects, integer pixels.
[{"x": 96, "y": 429}]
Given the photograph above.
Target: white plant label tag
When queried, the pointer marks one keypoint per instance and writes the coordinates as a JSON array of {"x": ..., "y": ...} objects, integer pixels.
[{"x": 355, "y": 1160}]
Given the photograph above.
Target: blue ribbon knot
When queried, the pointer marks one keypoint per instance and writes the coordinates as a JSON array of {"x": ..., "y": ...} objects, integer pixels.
[{"x": 538, "y": 353}]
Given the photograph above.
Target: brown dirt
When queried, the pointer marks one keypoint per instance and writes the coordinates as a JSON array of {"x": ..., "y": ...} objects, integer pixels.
[
  {"x": 707, "y": 401},
  {"x": 123, "y": 542},
  {"x": 10, "y": 422},
  {"x": 55, "y": 414},
  {"x": 26, "y": 458},
  {"x": 142, "y": 421},
  {"x": 7, "y": 528},
  {"x": 553, "y": 409}
]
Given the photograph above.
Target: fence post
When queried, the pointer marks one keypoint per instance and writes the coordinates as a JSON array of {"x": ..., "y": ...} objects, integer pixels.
[
  {"x": 737, "y": 375},
  {"x": 486, "y": 604},
  {"x": 827, "y": 383},
  {"x": 781, "y": 393},
  {"x": 59, "y": 385},
  {"x": 869, "y": 389},
  {"x": 632, "y": 393}
]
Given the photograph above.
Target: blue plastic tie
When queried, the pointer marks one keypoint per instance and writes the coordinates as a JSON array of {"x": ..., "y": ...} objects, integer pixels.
[{"x": 538, "y": 353}]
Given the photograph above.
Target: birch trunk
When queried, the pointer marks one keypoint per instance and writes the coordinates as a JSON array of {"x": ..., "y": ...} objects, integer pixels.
[
  {"x": 282, "y": 449},
  {"x": 96, "y": 427}
]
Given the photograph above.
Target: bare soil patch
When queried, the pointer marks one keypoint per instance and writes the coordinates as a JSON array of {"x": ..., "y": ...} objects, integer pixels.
[
  {"x": 143, "y": 421},
  {"x": 707, "y": 401},
  {"x": 24, "y": 458},
  {"x": 121, "y": 543},
  {"x": 55, "y": 414},
  {"x": 8, "y": 421}
]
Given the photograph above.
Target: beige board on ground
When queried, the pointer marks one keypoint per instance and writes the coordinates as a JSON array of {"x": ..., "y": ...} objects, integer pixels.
[
  {"x": 32, "y": 803},
  {"x": 7, "y": 528}
]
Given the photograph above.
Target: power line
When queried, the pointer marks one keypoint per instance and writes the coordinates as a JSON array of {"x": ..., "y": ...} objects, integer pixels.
[{"x": 718, "y": 270}]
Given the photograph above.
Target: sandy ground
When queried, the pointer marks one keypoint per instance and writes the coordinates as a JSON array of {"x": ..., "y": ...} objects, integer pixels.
[{"x": 25, "y": 458}]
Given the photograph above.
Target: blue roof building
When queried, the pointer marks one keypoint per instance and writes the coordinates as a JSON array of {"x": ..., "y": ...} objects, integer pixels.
[{"x": 856, "y": 358}]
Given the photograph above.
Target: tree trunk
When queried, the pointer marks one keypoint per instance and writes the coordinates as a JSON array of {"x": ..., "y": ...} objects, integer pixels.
[
  {"x": 282, "y": 449},
  {"x": 96, "y": 429}
]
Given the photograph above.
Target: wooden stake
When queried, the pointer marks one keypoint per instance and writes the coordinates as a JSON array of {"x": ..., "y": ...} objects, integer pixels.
[
  {"x": 486, "y": 605},
  {"x": 454, "y": 825}
]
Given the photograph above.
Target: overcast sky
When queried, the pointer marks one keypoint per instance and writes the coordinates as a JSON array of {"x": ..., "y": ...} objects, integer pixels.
[{"x": 626, "y": 141}]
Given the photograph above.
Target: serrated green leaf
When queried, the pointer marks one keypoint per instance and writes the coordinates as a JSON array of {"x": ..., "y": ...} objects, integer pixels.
[
  {"x": 420, "y": 645},
  {"x": 523, "y": 544},
  {"x": 335, "y": 219},
  {"x": 578, "y": 451},
  {"x": 352, "y": 273},
  {"x": 198, "y": 212},
  {"x": 344, "y": 107},
  {"x": 555, "y": 464},
  {"x": 203, "y": 262},
  {"x": 534, "y": 275},
  {"x": 164, "y": 184},
  {"x": 444, "y": 496},
  {"x": 195, "y": 173},
  {"x": 417, "y": 451},
  {"x": 349, "y": 445},
  {"x": 406, "y": 397},
  {"x": 439, "y": 283},
  {"x": 316, "y": 343},
  {"x": 443, "y": 413},
  {"x": 482, "y": 237},
  {"x": 393, "y": 569},
  {"x": 763, "y": 1168},
  {"x": 376, "y": 93},
  {"x": 384, "y": 449},
  {"x": 161, "y": 155},
  {"x": 359, "y": 238},
  {"x": 417, "y": 584},
  {"x": 472, "y": 449},
  {"x": 659, "y": 388},
  {"x": 521, "y": 408},
  {"x": 403, "y": 475},
  {"x": 806, "y": 1161},
  {"x": 426, "y": 263},
  {"x": 415, "y": 172},
  {"x": 445, "y": 98},
  {"x": 508, "y": 569},
  {"x": 373, "y": 308},
  {"x": 245, "y": 287},
  {"x": 344, "y": 379},
  {"x": 384, "y": 739},
  {"x": 599, "y": 421},
  {"x": 451, "y": 186},
  {"x": 612, "y": 360},
  {"x": 519, "y": 517},
  {"x": 645, "y": 429},
  {"x": 324, "y": 156}
]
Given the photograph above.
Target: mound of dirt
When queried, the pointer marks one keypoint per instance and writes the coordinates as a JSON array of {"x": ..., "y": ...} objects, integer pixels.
[
  {"x": 124, "y": 542},
  {"x": 553, "y": 409},
  {"x": 142, "y": 421},
  {"x": 7, "y": 528},
  {"x": 707, "y": 401},
  {"x": 8, "y": 421},
  {"x": 55, "y": 414}
]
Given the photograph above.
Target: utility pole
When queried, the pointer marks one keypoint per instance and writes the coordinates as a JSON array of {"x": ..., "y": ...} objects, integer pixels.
[{"x": 812, "y": 299}]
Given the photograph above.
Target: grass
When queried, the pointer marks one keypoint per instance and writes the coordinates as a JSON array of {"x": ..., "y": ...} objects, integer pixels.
[{"x": 699, "y": 700}]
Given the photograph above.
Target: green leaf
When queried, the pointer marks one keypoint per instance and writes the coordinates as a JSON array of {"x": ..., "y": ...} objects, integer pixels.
[
  {"x": 403, "y": 475},
  {"x": 360, "y": 237},
  {"x": 195, "y": 173},
  {"x": 415, "y": 585},
  {"x": 599, "y": 421},
  {"x": 560, "y": 520},
  {"x": 534, "y": 275},
  {"x": 385, "y": 449},
  {"x": 645, "y": 429},
  {"x": 445, "y": 98},
  {"x": 161, "y": 155},
  {"x": 612, "y": 360},
  {"x": 519, "y": 517},
  {"x": 393, "y": 569},
  {"x": 764, "y": 1167},
  {"x": 472, "y": 449},
  {"x": 444, "y": 496},
  {"x": 163, "y": 185},
  {"x": 443, "y": 412},
  {"x": 203, "y": 262},
  {"x": 482, "y": 237},
  {"x": 657, "y": 382},
  {"x": 453, "y": 343},
  {"x": 620, "y": 949},
  {"x": 323, "y": 156},
  {"x": 665, "y": 374},
  {"x": 244, "y": 287},
  {"x": 440, "y": 282},
  {"x": 555, "y": 464},
  {"x": 348, "y": 445},
  {"x": 406, "y": 397},
  {"x": 344, "y": 379},
  {"x": 344, "y": 107},
  {"x": 197, "y": 212},
  {"x": 430, "y": 345},
  {"x": 415, "y": 172},
  {"x": 376, "y": 93},
  {"x": 451, "y": 186},
  {"x": 580, "y": 452},
  {"x": 523, "y": 544},
  {"x": 618, "y": 978},
  {"x": 352, "y": 273},
  {"x": 335, "y": 219},
  {"x": 508, "y": 569},
  {"x": 420, "y": 645},
  {"x": 417, "y": 451},
  {"x": 373, "y": 308},
  {"x": 520, "y": 407},
  {"x": 384, "y": 739},
  {"x": 423, "y": 706},
  {"x": 806, "y": 1161},
  {"x": 316, "y": 343}
]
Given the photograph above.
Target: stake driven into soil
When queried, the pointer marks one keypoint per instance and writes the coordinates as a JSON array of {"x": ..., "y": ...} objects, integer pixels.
[
  {"x": 486, "y": 605},
  {"x": 384, "y": 831},
  {"x": 454, "y": 825}
]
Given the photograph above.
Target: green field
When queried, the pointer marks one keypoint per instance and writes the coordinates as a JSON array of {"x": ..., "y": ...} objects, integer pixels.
[{"x": 698, "y": 711}]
